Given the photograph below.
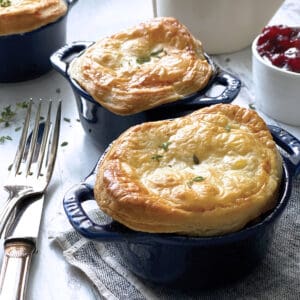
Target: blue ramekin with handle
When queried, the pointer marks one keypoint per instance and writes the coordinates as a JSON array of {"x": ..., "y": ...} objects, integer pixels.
[
  {"x": 104, "y": 126},
  {"x": 25, "y": 56},
  {"x": 171, "y": 259}
]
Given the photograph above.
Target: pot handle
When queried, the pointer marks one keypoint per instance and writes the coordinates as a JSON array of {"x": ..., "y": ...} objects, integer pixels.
[
  {"x": 290, "y": 144},
  {"x": 62, "y": 57},
  {"x": 83, "y": 224},
  {"x": 232, "y": 87}
]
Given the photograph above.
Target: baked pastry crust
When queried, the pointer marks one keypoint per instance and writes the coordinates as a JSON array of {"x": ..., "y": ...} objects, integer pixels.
[
  {"x": 26, "y": 15},
  {"x": 156, "y": 62},
  {"x": 205, "y": 174}
]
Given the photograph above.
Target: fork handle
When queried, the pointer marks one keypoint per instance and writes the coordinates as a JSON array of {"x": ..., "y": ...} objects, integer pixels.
[
  {"x": 8, "y": 209},
  {"x": 15, "y": 269}
]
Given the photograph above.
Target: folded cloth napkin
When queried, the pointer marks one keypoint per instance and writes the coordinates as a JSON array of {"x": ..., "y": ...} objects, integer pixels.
[{"x": 277, "y": 277}]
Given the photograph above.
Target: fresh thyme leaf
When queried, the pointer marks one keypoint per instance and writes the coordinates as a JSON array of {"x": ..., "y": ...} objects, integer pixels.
[
  {"x": 63, "y": 144},
  {"x": 157, "y": 157},
  {"x": 4, "y": 138},
  {"x": 10, "y": 167},
  {"x": 196, "y": 159},
  {"x": 198, "y": 178},
  {"x": 18, "y": 128},
  {"x": 67, "y": 120},
  {"x": 251, "y": 106},
  {"x": 7, "y": 115},
  {"x": 165, "y": 146},
  {"x": 156, "y": 53},
  {"x": 142, "y": 60},
  {"x": 227, "y": 128},
  {"x": 5, "y": 3},
  {"x": 22, "y": 104},
  {"x": 195, "y": 179}
]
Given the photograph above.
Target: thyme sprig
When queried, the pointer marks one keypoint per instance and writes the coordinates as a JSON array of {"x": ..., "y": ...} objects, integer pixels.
[
  {"x": 195, "y": 179},
  {"x": 5, "y": 3}
]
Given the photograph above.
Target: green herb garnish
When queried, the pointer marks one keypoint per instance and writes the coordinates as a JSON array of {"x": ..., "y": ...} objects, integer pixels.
[
  {"x": 18, "y": 128},
  {"x": 195, "y": 179},
  {"x": 156, "y": 53},
  {"x": 198, "y": 179},
  {"x": 196, "y": 159},
  {"x": 67, "y": 120},
  {"x": 7, "y": 115},
  {"x": 142, "y": 60},
  {"x": 4, "y": 138},
  {"x": 10, "y": 167},
  {"x": 22, "y": 104},
  {"x": 227, "y": 128},
  {"x": 5, "y": 3},
  {"x": 157, "y": 157},
  {"x": 251, "y": 106},
  {"x": 165, "y": 146}
]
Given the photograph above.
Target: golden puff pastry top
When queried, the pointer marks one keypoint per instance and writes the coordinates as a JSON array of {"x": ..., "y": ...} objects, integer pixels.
[
  {"x": 19, "y": 16},
  {"x": 156, "y": 62},
  {"x": 205, "y": 174}
]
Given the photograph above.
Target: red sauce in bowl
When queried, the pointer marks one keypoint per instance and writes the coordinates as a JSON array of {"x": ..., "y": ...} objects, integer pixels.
[{"x": 281, "y": 46}]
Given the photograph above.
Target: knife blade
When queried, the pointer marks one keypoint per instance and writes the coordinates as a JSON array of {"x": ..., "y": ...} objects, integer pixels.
[{"x": 19, "y": 247}]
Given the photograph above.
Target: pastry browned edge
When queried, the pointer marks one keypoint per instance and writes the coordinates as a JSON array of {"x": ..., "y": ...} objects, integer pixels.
[
  {"x": 205, "y": 174},
  {"x": 22, "y": 16},
  {"x": 153, "y": 63}
]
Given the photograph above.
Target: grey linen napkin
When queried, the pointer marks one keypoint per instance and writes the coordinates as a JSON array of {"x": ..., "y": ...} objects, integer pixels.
[{"x": 277, "y": 277}]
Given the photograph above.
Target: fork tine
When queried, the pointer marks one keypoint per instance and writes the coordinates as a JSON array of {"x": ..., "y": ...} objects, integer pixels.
[
  {"x": 54, "y": 143},
  {"x": 33, "y": 139},
  {"x": 44, "y": 140},
  {"x": 21, "y": 146}
]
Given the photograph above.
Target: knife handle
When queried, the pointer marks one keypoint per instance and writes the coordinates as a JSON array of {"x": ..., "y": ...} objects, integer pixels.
[{"x": 15, "y": 269}]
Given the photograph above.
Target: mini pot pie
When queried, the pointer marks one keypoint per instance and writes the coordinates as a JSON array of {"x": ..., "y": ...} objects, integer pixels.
[
  {"x": 205, "y": 174},
  {"x": 156, "y": 62},
  {"x": 20, "y": 16}
]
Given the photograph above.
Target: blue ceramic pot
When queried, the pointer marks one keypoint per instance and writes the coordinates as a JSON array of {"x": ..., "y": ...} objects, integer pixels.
[
  {"x": 104, "y": 126},
  {"x": 189, "y": 261},
  {"x": 26, "y": 56}
]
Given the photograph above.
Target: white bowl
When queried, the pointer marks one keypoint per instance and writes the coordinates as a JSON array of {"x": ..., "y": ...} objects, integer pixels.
[
  {"x": 221, "y": 25},
  {"x": 276, "y": 90}
]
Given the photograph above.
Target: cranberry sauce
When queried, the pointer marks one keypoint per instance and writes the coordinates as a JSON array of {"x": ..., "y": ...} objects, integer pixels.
[{"x": 281, "y": 45}]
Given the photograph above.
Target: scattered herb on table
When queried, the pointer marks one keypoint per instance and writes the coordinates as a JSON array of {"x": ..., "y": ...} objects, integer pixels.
[
  {"x": 4, "y": 138},
  {"x": 63, "y": 144},
  {"x": 23, "y": 104},
  {"x": 67, "y": 120},
  {"x": 10, "y": 167},
  {"x": 7, "y": 115},
  {"x": 18, "y": 128}
]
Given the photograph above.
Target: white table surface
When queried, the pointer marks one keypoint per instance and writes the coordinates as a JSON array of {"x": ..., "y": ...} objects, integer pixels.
[{"x": 51, "y": 277}]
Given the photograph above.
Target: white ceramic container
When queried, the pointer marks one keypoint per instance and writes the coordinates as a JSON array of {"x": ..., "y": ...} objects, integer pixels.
[
  {"x": 222, "y": 25},
  {"x": 277, "y": 91}
]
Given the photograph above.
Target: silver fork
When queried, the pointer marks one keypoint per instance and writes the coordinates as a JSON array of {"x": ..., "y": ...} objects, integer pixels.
[{"x": 30, "y": 176}]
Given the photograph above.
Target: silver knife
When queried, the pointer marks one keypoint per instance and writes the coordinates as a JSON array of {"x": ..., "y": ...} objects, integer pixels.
[{"x": 19, "y": 247}]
